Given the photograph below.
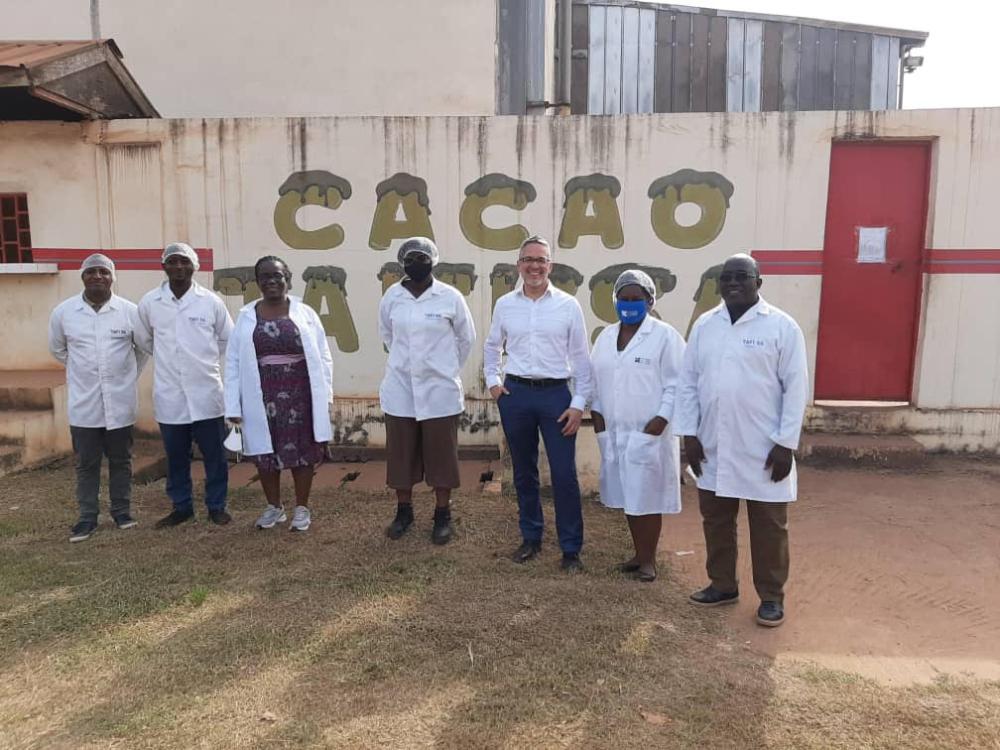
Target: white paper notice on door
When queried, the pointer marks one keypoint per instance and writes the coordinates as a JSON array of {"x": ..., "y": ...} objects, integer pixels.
[{"x": 871, "y": 244}]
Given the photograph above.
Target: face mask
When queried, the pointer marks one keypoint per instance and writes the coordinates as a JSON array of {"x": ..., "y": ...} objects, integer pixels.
[
  {"x": 631, "y": 312},
  {"x": 417, "y": 271}
]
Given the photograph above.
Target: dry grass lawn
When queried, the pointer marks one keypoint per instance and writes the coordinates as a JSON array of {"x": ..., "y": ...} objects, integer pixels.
[{"x": 206, "y": 637}]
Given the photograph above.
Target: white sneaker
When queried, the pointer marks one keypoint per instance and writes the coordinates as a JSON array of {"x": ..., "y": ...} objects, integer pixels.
[
  {"x": 301, "y": 519},
  {"x": 274, "y": 514}
]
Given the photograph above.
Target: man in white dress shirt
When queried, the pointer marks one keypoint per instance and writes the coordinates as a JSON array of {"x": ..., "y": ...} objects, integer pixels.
[
  {"x": 186, "y": 327},
  {"x": 93, "y": 334},
  {"x": 543, "y": 332},
  {"x": 740, "y": 404}
]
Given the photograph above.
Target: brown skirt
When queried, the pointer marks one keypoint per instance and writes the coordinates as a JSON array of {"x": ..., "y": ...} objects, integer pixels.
[{"x": 425, "y": 450}]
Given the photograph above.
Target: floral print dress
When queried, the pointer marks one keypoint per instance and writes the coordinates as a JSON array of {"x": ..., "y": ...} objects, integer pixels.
[{"x": 284, "y": 379}]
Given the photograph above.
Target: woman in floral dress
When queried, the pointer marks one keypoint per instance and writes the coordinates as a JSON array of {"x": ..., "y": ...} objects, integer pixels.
[{"x": 279, "y": 385}]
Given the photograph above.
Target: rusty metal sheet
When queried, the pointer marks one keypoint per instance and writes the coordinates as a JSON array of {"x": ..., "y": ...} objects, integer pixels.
[
  {"x": 771, "y": 67},
  {"x": 17, "y": 54},
  {"x": 717, "y": 65}
]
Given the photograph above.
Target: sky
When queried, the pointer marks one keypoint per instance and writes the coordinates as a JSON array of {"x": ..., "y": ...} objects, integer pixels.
[{"x": 959, "y": 67}]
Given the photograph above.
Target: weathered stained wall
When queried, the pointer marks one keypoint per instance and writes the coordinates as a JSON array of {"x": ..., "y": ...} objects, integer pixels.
[
  {"x": 312, "y": 57},
  {"x": 329, "y": 194}
]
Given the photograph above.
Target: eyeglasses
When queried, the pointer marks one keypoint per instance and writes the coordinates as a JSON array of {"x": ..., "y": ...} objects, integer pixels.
[
  {"x": 739, "y": 276},
  {"x": 529, "y": 259},
  {"x": 271, "y": 277}
]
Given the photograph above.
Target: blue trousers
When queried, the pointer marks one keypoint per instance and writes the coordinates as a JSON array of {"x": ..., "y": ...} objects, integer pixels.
[
  {"x": 524, "y": 412},
  {"x": 209, "y": 434}
]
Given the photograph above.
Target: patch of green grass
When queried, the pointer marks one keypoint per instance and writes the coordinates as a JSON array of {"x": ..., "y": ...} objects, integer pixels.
[{"x": 198, "y": 595}]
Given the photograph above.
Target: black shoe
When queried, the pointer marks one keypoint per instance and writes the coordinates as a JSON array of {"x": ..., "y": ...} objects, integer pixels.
[
  {"x": 645, "y": 576},
  {"x": 527, "y": 551},
  {"x": 219, "y": 517},
  {"x": 710, "y": 597},
  {"x": 402, "y": 521},
  {"x": 125, "y": 521},
  {"x": 770, "y": 614},
  {"x": 82, "y": 531},
  {"x": 175, "y": 518},
  {"x": 571, "y": 563},
  {"x": 441, "y": 533},
  {"x": 628, "y": 566}
]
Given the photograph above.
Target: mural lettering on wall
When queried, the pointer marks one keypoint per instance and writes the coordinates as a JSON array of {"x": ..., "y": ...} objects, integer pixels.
[
  {"x": 403, "y": 194},
  {"x": 504, "y": 276},
  {"x": 328, "y": 284},
  {"x": 237, "y": 281},
  {"x": 494, "y": 189},
  {"x": 462, "y": 276},
  {"x": 325, "y": 292},
  {"x": 602, "y": 287},
  {"x": 706, "y": 296},
  {"x": 312, "y": 188},
  {"x": 590, "y": 207},
  {"x": 710, "y": 191}
]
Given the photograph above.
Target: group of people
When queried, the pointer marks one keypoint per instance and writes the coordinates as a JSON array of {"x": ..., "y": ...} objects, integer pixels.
[{"x": 735, "y": 393}]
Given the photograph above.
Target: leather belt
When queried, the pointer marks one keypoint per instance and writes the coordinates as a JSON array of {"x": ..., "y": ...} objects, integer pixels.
[{"x": 538, "y": 383}]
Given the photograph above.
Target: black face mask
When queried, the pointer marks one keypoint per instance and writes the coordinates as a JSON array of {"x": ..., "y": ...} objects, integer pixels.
[{"x": 417, "y": 271}]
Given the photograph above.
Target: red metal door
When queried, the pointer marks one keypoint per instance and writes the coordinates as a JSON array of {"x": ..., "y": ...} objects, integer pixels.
[{"x": 875, "y": 216}]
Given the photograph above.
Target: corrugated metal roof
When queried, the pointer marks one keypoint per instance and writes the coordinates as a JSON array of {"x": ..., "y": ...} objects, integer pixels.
[
  {"x": 46, "y": 79},
  {"x": 29, "y": 53},
  {"x": 907, "y": 35}
]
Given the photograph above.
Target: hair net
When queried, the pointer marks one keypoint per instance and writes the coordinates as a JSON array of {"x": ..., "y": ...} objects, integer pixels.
[
  {"x": 635, "y": 276},
  {"x": 420, "y": 245},
  {"x": 181, "y": 248},
  {"x": 98, "y": 260}
]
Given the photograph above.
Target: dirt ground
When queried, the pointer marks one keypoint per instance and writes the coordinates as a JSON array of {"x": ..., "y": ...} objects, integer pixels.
[
  {"x": 215, "y": 637},
  {"x": 894, "y": 575}
]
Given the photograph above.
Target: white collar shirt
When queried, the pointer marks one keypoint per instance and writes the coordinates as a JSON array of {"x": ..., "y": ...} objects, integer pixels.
[
  {"x": 429, "y": 339},
  {"x": 544, "y": 339},
  {"x": 743, "y": 389},
  {"x": 187, "y": 338},
  {"x": 103, "y": 362}
]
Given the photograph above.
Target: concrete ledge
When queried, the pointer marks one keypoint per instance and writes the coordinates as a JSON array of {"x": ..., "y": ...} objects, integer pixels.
[
  {"x": 954, "y": 430},
  {"x": 884, "y": 451},
  {"x": 26, "y": 269}
]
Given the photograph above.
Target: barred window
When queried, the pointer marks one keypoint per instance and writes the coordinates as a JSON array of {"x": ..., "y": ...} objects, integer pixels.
[{"x": 15, "y": 232}]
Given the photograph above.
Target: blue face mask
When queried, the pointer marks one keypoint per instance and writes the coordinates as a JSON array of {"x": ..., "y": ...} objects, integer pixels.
[{"x": 631, "y": 312}]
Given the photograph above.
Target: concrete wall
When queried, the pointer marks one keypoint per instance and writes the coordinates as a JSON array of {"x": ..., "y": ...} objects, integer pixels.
[
  {"x": 229, "y": 58},
  {"x": 249, "y": 187}
]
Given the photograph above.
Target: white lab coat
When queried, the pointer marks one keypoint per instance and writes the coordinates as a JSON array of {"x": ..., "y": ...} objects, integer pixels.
[
  {"x": 102, "y": 360},
  {"x": 640, "y": 473},
  {"x": 244, "y": 395},
  {"x": 744, "y": 388},
  {"x": 429, "y": 339},
  {"x": 187, "y": 338}
]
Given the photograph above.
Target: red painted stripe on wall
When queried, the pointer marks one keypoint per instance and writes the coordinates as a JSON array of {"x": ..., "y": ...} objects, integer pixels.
[
  {"x": 126, "y": 259},
  {"x": 977, "y": 261},
  {"x": 789, "y": 262},
  {"x": 810, "y": 262}
]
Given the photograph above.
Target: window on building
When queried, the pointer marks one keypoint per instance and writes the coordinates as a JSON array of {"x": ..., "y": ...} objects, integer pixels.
[{"x": 15, "y": 233}]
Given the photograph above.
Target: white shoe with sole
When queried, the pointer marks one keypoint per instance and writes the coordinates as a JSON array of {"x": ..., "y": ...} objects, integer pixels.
[
  {"x": 273, "y": 515},
  {"x": 301, "y": 519}
]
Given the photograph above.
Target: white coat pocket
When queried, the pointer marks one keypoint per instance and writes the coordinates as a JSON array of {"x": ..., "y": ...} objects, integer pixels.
[
  {"x": 643, "y": 466},
  {"x": 643, "y": 449}
]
